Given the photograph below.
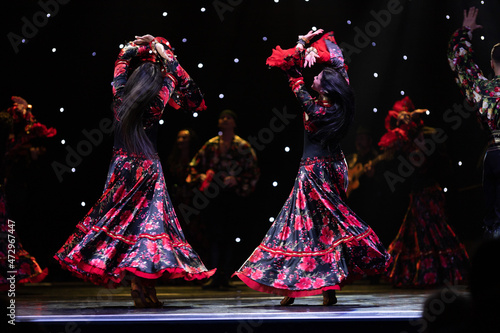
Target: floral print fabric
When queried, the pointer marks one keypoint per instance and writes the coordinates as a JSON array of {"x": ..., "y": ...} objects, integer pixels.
[
  {"x": 239, "y": 161},
  {"x": 426, "y": 250},
  {"x": 132, "y": 227},
  {"x": 316, "y": 242},
  {"x": 477, "y": 88}
]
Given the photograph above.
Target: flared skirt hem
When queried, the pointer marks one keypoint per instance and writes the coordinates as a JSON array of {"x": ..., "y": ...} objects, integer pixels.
[{"x": 113, "y": 279}]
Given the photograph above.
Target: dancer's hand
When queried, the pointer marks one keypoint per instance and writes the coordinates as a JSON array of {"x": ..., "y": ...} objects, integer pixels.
[
  {"x": 470, "y": 19},
  {"x": 311, "y": 34},
  {"x": 310, "y": 58},
  {"x": 141, "y": 40},
  {"x": 160, "y": 49}
]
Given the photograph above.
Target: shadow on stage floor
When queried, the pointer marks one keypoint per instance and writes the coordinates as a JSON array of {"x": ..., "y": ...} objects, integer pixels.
[{"x": 81, "y": 307}]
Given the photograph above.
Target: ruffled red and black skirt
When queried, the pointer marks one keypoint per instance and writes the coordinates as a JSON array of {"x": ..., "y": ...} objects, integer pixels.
[
  {"x": 316, "y": 243},
  {"x": 131, "y": 229}
]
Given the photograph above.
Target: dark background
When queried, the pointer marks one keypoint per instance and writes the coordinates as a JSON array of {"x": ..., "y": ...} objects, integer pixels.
[{"x": 46, "y": 209}]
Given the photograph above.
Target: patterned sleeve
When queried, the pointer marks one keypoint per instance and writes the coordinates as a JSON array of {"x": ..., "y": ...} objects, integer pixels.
[
  {"x": 178, "y": 88},
  {"x": 186, "y": 95},
  {"x": 460, "y": 58},
  {"x": 142, "y": 53},
  {"x": 330, "y": 54},
  {"x": 122, "y": 64},
  {"x": 308, "y": 103}
]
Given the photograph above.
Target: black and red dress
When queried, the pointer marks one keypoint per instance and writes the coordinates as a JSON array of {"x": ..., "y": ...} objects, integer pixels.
[
  {"x": 18, "y": 129},
  {"x": 426, "y": 250},
  {"x": 133, "y": 226},
  {"x": 317, "y": 242}
]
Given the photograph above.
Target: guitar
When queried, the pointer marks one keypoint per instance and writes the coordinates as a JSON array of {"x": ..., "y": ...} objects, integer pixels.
[{"x": 358, "y": 170}]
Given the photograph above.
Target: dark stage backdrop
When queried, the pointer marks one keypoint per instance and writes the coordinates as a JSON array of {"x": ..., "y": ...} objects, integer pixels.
[{"x": 393, "y": 48}]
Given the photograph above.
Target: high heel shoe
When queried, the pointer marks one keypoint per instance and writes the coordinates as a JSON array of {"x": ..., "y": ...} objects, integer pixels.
[
  {"x": 287, "y": 301},
  {"x": 151, "y": 295},
  {"x": 140, "y": 301},
  {"x": 329, "y": 297}
]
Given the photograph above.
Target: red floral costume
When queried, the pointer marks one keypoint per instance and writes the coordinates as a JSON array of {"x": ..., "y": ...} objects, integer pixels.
[
  {"x": 133, "y": 227},
  {"x": 426, "y": 250},
  {"x": 316, "y": 243},
  {"x": 18, "y": 127}
]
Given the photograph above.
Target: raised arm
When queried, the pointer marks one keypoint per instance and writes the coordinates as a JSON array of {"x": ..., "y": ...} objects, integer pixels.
[
  {"x": 122, "y": 64},
  {"x": 460, "y": 57}
]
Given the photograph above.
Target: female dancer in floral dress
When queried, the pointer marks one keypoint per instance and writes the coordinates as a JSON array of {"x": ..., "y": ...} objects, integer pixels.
[
  {"x": 132, "y": 232},
  {"x": 18, "y": 129},
  {"x": 426, "y": 251},
  {"x": 316, "y": 243}
]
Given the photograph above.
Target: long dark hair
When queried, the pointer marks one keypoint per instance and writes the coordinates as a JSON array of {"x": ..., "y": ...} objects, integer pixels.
[
  {"x": 333, "y": 126},
  {"x": 139, "y": 91}
]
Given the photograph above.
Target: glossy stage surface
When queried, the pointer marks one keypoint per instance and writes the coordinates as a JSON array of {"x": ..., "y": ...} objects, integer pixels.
[{"x": 81, "y": 307}]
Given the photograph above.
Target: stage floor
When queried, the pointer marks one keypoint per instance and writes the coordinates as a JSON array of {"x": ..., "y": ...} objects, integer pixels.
[{"x": 77, "y": 306}]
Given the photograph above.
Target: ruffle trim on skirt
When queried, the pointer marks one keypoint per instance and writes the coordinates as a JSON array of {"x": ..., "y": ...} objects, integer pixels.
[
  {"x": 38, "y": 277},
  {"x": 115, "y": 278},
  {"x": 283, "y": 292},
  {"x": 354, "y": 271}
]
